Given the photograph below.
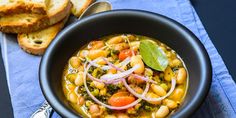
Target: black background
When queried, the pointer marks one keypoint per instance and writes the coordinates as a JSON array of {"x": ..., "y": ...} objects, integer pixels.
[{"x": 219, "y": 19}]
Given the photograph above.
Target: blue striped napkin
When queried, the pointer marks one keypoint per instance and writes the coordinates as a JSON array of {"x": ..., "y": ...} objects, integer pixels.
[{"x": 22, "y": 68}]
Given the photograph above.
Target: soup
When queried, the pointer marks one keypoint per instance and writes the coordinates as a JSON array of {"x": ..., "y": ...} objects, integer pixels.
[{"x": 122, "y": 76}]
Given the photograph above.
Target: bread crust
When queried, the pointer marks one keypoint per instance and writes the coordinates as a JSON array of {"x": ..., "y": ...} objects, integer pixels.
[
  {"x": 23, "y": 7},
  {"x": 28, "y": 42},
  {"x": 41, "y": 22}
]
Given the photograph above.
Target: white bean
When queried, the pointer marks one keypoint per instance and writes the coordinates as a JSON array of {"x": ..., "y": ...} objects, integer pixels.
[
  {"x": 120, "y": 46},
  {"x": 95, "y": 45},
  {"x": 101, "y": 61},
  {"x": 177, "y": 94},
  {"x": 162, "y": 112},
  {"x": 158, "y": 90},
  {"x": 153, "y": 95},
  {"x": 93, "y": 54},
  {"x": 94, "y": 109},
  {"x": 181, "y": 76},
  {"x": 75, "y": 62},
  {"x": 83, "y": 53},
  {"x": 175, "y": 62},
  {"x": 81, "y": 100},
  {"x": 115, "y": 40},
  {"x": 110, "y": 116},
  {"x": 136, "y": 60},
  {"x": 170, "y": 103},
  {"x": 168, "y": 74},
  {"x": 79, "y": 81},
  {"x": 73, "y": 97},
  {"x": 122, "y": 115}
]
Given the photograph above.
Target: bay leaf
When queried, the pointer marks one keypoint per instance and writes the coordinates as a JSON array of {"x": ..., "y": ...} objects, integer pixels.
[{"x": 152, "y": 55}]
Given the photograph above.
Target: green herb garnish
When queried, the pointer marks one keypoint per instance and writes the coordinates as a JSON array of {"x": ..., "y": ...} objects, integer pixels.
[{"x": 112, "y": 88}]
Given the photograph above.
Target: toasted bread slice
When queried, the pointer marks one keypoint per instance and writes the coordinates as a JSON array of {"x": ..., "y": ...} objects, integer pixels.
[
  {"x": 37, "y": 42},
  {"x": 23, "y": 6},
  {"x": 26, "y": 23},
  {"x": 79, "y": 6}
]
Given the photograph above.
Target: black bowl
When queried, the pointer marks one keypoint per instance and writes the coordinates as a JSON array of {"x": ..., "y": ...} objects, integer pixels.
[{"x": 168, "y": 31}]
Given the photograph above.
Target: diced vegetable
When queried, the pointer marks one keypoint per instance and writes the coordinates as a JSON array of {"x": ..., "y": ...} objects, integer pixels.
[
  {"x": 121, "y": 99},
  {"x": 95, "y": 92},
  {"x": 103, "y": 92},
  {"x": 124, "y": 54},
  {"x": 131, "y": 110}
]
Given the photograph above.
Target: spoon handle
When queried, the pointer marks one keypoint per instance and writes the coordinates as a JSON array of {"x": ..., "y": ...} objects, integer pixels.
[{"x": 43, "y": 112}]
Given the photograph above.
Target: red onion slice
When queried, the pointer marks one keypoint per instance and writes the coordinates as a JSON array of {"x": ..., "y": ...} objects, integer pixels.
[
  {"x": 76, "y": 91},
  {"x": 108, "y": 106},
  {"x": 112, "y": 65},
  {"x": 95, "y": 79},
  {"x": 100, "y": 80},
  {"x": 124, "y": 62},
  {"x": 119, "y": 75},
  {"x": 144, "y": 78},
  {"x": 173, "y": 83},
  {"x": 135, "y": 75},
  {"x": 93, "y": 63},
  {"x": 113, "y": 81}
]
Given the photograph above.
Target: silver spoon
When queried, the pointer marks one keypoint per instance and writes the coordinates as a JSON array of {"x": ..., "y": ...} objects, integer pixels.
[
  {"x": 46, "y": 110},
  {"x": 96, "y": 7}
]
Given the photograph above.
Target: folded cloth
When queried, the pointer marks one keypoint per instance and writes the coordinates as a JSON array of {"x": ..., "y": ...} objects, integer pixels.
[{"x": 22, "y": 68}]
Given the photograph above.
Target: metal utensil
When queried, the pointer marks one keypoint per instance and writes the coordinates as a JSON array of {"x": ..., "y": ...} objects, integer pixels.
[
  {"x": 45, "y": 110},
  {"x": 96, "y": 7}
]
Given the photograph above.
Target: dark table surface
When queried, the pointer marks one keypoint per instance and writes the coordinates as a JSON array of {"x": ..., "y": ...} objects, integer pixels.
[{"x": 217, "y": 16}]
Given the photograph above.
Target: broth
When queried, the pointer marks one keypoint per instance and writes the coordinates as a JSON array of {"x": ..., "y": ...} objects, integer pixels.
[{"x": 139, "y": 62}]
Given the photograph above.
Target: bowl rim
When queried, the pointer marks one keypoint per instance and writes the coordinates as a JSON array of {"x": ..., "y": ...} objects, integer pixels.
[{"x": 59, "y": 107}]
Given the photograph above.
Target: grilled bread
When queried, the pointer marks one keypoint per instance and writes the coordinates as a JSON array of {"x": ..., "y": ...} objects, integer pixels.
[
  {"x": 26, "y": 23},
  {"x": 37, "y": 42},
  {"x": 79, "y": 6},
  {"x": 8, "y": 7}
]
